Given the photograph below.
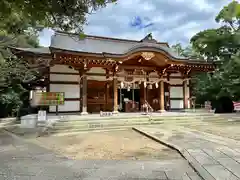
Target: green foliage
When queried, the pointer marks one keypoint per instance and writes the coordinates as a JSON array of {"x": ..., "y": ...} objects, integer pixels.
[
  {"x": 66, "y": 15},
  {"x": 13, "y": 73},
  {"x": 188, "y": 52},
  {"x": 20, "y": 21},
  {"x": 222, "y": 45},
  {"x": 10, "y": 102},
  {"x": 230, "y": 14}
]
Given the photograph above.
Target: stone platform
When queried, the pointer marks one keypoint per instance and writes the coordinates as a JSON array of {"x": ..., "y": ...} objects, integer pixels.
[{"x": 213, "y": 157}]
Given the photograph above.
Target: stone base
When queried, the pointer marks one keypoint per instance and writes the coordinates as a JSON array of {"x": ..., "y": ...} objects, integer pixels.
[
  {"x": 29, "y": 121},
  {"x": 84, "y": 113},
  {"x": 162, "y": 111},
  {"x": 115, "y": 112}
]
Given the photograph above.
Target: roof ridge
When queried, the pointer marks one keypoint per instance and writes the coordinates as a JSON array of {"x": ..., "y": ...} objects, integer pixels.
[{"x": 108, "y": 38}]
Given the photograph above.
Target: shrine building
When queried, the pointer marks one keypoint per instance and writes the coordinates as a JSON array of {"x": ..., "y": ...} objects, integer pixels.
[{"x": 119, "y": 75}]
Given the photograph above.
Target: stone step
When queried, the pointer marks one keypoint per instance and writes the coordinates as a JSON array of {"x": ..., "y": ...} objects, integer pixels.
[
  {"x": 79, "y": 126},
  {"x": 100, "y": 124},
  {"x": 96, "y": 117},
  {"x": 122, "y": 124},
  {"x": 67, "y": 131},
  {"x": 87, "y": 131},
  {"x": 106, "y": 127},
  {"x": 140, "y": 118},
  {"x": 122, "y": 121}
]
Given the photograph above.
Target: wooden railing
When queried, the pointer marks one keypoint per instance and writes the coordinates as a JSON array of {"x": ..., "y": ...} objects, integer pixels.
[{"x": 146, "y": 107}]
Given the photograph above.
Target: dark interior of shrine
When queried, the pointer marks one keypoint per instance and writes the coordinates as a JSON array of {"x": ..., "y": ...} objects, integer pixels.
[{"x": 133, "y": 95}]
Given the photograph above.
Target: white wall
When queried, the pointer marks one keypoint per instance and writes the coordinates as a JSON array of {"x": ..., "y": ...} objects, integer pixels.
[
  {"x": 176, "y": 104},
  {"x": 64, "y": 77},
  {"x": 70, "y": 90},
  {"x": 68, "y": 106},
  {"x": 176, "y": 92}
]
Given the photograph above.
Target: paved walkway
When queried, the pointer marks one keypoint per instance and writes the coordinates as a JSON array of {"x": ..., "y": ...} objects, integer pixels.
[
  {"x": 20, "y": 160},
  {"x": 214, "y": 158}
]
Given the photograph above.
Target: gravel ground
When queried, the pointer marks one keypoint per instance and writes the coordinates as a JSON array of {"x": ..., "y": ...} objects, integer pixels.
[
  {"x": 21, "y": 160},
  {"x": 124, "y": 144}
]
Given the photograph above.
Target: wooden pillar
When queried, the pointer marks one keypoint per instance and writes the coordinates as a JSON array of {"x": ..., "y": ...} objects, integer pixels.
[
  {"x": 161, "y": 96},
  {"x": 115, "y": 95},
  {"x": 80, "y": 91},
  {"x": 48, "y": 84},
  {"x": 84, "y": 95},
  {"x": 141, "y": 94},
  {"x": 106, "y": 96},
  {"x": 146, "y": 88},
  {"x": 191, "y": 99},
  {"x": 185, "y": 95}
]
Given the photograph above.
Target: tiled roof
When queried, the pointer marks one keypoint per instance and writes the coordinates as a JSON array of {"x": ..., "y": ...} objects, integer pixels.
[{"x": 96, "y": 44}]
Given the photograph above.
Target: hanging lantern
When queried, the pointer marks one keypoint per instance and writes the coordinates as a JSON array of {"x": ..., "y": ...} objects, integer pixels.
[
  {"x": 122, "y": 84},
  {"x": 128, "y": 89},
  {"x": 150, "y": 86},
  {"x": 156, "y": 85},
  {"x": 145, "y": 84},
  {"x": 133, "y": 86}
]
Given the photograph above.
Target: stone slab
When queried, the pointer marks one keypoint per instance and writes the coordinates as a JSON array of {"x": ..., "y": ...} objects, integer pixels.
[
  {"x": 231, "y": 165},
  {"x": 220, "y": 173},
  {"x": 211, "y": 160},
  {"x": 229, "y": 151},
  {"x": 214, "y": 153}
]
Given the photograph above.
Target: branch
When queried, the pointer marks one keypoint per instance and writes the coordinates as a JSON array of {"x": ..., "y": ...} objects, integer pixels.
[{"x": 232, "y": 26}]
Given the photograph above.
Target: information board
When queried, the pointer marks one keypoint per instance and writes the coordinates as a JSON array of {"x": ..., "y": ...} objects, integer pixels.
[{"x": 48, "y": 98}]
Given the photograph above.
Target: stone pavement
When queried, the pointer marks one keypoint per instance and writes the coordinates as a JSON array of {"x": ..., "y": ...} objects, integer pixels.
[
  {"x": 21, "y": 160},
  {"x": 213, "y": 157}
]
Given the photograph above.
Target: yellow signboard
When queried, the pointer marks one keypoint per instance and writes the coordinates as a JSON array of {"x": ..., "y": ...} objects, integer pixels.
[{"x": 48, "y": 98}]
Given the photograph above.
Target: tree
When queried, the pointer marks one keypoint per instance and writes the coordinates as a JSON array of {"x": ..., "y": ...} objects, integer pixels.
[
  {"x": 13, "y": 71},
  {"x": 19, "y": 23},
  {"x": 188, "y": 52},
  {"x": 222, "y": 45},
  {"x": 66, "y": 15}
]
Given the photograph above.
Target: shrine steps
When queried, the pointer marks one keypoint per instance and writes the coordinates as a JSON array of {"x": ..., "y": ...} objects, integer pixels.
[{"x": 72, "y": 126}]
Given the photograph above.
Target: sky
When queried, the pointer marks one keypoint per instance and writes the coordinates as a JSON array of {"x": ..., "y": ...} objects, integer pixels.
[{"x": 172, "y": 21}]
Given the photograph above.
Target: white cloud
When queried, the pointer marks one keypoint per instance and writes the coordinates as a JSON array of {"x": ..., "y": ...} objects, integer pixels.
[
  {"x": 198, "y": 4},
  {"x": 173, "y": 20}
]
